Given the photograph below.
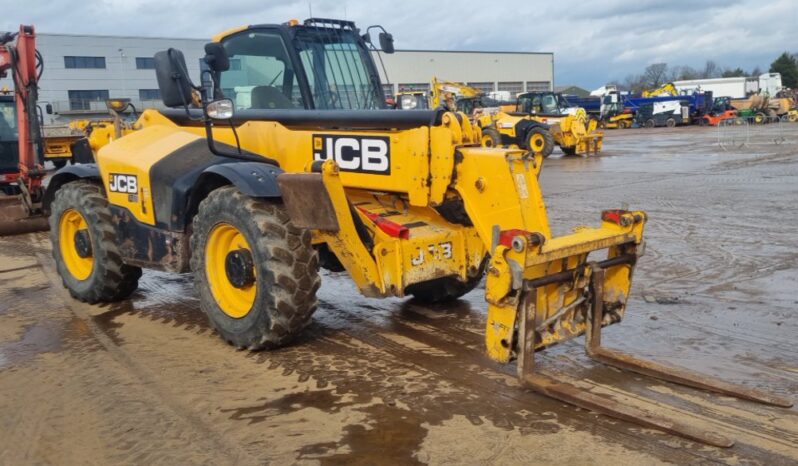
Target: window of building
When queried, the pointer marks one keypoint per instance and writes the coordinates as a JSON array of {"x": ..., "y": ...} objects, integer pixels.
[
  {"x": 513, "y": 87},
  {"x": 538, "y": 86},
  {"x": 149, "y": 94},
  {"x": 484, "y": 87},
  {"x": 84, "y": 62},
  {"x": 414, "y": 87},
  {"x": 145, "y": 63},
  {"x": 81, "y": 100}
]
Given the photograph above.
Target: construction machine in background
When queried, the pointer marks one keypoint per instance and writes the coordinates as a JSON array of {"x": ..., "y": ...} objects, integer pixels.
[
  {"x": 570, "y": 127},
  {"x": 760, "y": 108},
  {"x": 671, "y": 114},
  {"x": 96, "y": 133},
  {"x": 22, "y": 128},
  {"x": 667, "y": 89},
  {"x": 721, "y": 111},
  {"x": 252, "y": 198}
]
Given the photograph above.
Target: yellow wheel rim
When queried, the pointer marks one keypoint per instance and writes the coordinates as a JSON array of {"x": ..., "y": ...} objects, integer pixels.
[
  {"x": 69, "y": 226},
  {"x": 536, "y": 142},
  {"x": 487, "y": 141},
  {"x": 234, "y": 301}
]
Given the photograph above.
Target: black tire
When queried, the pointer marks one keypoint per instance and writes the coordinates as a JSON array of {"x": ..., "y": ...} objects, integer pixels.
[
  {"x": 568, "y": 150},
  {"x": 110, "y": 279},
  {"x": 442, "y": 290},
  {"x": 59, "y": 163},
  {"x": 650, "y": 123},
  {"x": 548, "y": 141},
  {"x": 286, "y": 270},
  {"x": 670, "y": 122},
  {"x": 491, "y": 137}
]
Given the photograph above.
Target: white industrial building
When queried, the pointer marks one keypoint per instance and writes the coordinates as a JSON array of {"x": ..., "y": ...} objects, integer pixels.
[{"x": 81, "y": 71}]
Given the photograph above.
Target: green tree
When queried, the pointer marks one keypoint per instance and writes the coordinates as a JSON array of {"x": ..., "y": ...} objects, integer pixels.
[
  {"x": 735, "y": 73},
  {"x": 787, "y": 65}
]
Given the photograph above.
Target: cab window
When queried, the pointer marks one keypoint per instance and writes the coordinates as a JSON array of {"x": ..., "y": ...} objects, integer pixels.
[{"x": 262, "y": 76}]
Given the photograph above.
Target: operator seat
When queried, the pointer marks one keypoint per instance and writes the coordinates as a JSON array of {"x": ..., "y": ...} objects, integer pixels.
[{"x": 269, "y": 97}]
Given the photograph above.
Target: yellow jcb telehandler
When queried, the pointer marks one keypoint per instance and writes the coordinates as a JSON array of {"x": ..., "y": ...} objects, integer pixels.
[
  {"x": 252, "y": 193},
  {"x": 499, "y": 128}
]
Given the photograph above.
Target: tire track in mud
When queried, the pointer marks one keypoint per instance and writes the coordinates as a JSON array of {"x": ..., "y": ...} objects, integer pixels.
[
  {"x": 159, "y": 397},
  {"x": 477, "y": 359}
]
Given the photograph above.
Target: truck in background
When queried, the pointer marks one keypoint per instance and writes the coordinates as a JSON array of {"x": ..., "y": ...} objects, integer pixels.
[{"x": 733, "y": 88}]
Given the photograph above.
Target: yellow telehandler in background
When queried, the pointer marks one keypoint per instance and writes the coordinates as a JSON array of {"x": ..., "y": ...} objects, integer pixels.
[
  {"x": 253, "y": 193},
  {"x": 572, "y": 130}
]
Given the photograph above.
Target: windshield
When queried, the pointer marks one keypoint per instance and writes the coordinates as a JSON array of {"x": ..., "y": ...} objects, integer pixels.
[
  {"x": 546, "y": 104},
  {"x": 337, "y": 69},
  {"x": 8, "y": 121},
  {"x": 261, "y": 74},
  {"x": 9, "y": 147}
]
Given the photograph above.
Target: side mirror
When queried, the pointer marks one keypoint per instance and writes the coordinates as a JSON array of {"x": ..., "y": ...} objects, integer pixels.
[
  {"x": 173, "y": 80},
  {"x": 216, "y": 57},
  {"x": 221, "y": 109},
  {"x": 386, "y": 42},
  {"x": 49, "y": 109}
]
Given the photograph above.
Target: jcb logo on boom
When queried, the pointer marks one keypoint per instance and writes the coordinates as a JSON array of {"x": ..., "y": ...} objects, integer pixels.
[
  {"x": 361, "y": 154},
  {"x": 127, "y": 184}
]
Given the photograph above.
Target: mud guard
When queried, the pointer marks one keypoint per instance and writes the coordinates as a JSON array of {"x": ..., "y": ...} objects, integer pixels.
[
  {"x": 251, "y": 178},
  {"x": 65, "y": 175}
]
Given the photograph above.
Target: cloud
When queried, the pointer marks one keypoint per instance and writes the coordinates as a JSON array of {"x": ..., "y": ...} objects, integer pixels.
[{"x": 593, "y": 42}]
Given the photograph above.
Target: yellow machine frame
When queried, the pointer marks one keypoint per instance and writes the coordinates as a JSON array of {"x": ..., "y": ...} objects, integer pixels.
[{"x": 541, "y": 289}]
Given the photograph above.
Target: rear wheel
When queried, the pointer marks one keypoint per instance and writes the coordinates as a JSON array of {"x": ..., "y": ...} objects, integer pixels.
[
  {"x": 670, "y": 122},
  {"x": 256, "y": 273},
  {"x": 85, "y": 246},
  {"x": 491, "y": 137},
  {"x": 650, "y": 123},
  {"x": 539, "y": 141},
  {"x": 760, "y": 118}
]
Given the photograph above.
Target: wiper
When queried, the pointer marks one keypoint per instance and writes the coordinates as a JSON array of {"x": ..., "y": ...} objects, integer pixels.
[{"x": 275, "y": 78}]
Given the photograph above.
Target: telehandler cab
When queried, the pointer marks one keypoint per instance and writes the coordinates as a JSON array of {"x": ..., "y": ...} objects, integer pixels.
[{"x": 290, "y": 163}]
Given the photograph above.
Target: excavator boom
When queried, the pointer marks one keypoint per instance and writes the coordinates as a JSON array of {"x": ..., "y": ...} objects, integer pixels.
[{"x": 18, "y": 58}]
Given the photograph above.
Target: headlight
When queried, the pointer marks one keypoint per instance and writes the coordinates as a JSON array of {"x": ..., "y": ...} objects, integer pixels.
[{"x": 408, "y": 102}]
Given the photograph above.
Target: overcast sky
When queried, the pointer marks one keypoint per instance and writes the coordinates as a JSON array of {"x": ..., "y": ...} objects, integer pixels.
[{"x": 593, "y": 41}]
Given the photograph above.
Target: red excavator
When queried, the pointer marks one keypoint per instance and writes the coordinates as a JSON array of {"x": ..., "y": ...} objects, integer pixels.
[{"x": 21, "y": 213}]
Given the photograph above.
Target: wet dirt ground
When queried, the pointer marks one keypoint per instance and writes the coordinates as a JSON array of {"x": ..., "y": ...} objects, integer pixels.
[{"x": 396, "y": 382}]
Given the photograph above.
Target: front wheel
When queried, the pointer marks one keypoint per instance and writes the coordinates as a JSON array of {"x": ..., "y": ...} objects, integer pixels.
[
  {"x": 650, "y": 123},
  {"x": 256, "y": 273},
  {"x": 539, "y": 141},
  {"x": 491, "y": 137},
  {"x": 670, "y": 122},
  {"x": 85, "y": 247}
]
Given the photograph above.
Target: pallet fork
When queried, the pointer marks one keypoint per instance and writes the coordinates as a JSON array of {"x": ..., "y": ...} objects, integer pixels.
[{"x": 569, "y": 393}]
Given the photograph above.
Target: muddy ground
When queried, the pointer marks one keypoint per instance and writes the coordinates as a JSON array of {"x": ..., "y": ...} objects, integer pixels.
[{"x": 396, "y": 382}]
